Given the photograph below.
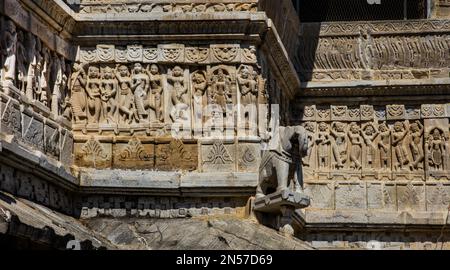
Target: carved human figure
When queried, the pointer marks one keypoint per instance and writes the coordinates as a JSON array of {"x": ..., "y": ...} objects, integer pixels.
[
  {"x": 34, "y": 48},
  {"x": 9, "y": 38},
  {"x": 94, "y": 96},
  {"x": 369, "y": 134},
  {"x": 384, "y": 145},
  {"x": 339, "y": 145},
  {"x": 354, "y": 134},
  {"x": 178, "y": 95},
  {"x": 310, "y": 130},
  {"x": 60, "y": 83},
  {"x": 220, "y": 93},
  {"x": 77, "y": 85},
  {"x": 156, "y": 91},
  {"x": 126, "y": 108},
  {"x": 44, "y": 76},
  {"x": 108, "y": 90},
  {"x": 140, "y": 86},
  {"x": 21, "y": 62},
  {"x": 323, "y": 142},
  {"x": 66, "y": 107},
  {"x": 199, "y": 85},
  {"x": 437, "y": 149},
  {"x": 416, "y": 145},
  {"x": 398, "y": 137},
  {"x": 248, "y": 87}
]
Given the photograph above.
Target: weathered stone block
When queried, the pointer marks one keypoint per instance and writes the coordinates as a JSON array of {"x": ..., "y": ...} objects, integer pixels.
[
  {"x": 218, "y": 156},
  {"x": 374, "y": 196},
  {"x": 350, "y": 196},
  {"x": 66, "y": 156},
  {"x": 10, "y": 117},
  {"x": 411, "y": 196},
  {"x": 321, "y": 194},
  {"x": 248, "y": 156},
  {"x": 438, "y": 196},
  {"x": 52, "y": 144},
  {"x": 33, "y": 130},
  {"x": 134, "y": 155},
  {"x": 176, "y": 155},
  {"x": 93, "y": 154}
]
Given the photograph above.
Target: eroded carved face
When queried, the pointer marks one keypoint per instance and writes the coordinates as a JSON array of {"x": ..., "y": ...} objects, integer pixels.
[
  {"x": 322, "y": 127},
  {"x": 123, "y": 71},
  {"x": 198, "y": 78},
  {"x": 245, "y": 73},
  {"x": 154, "y": 70},
  {"x": 138, "y": 68},
  {"x": 354, "y": 128},
  {"x": 370, "y": 130},
  {"x": 309, "y": 127},
  {"x": 93, "y": 72},
  {"x": 383, "y": 128},
  {"x": 414, "y": 127},
  {"x": 436, "y": 134},
  {"x": 339, "y": 127},
  {"x": 177, "y": 71},
  {"x": 398, "y": 126},
  {"x": 107, "y": 73},
  {"x": 220, "y": 74}
]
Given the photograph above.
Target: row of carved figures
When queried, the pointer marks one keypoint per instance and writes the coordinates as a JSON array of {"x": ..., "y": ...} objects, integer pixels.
[
  {"x": 400, "y": 146},
  {"x": 368, "y": 52},
  {"x": 143, "y": 7},
  {"x": 136, "y": 93},
  {"x": 37, "y": 72}
]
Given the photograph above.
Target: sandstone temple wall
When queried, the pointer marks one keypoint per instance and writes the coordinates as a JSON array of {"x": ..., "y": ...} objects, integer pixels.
[{"x": 162, "y": 109}]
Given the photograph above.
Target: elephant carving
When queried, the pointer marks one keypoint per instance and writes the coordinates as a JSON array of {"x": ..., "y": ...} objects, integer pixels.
[{"x": 280, "y": 166}]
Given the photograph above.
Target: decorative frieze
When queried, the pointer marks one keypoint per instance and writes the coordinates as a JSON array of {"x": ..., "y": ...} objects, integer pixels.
[
  {"x": 165, "y": 6},
  {"x": 169, "y": 53},
  {"x": 360, "y": 143},
  {"x": 375, "y": 51}
]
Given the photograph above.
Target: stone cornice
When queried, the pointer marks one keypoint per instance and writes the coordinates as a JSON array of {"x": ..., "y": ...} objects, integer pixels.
[
  {"x": 377, "y": 90},
  {"x": 375, "y": 28}
]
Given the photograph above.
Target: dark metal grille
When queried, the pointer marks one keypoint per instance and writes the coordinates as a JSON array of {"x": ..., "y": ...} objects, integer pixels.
[{"x": 359, "y": 10}]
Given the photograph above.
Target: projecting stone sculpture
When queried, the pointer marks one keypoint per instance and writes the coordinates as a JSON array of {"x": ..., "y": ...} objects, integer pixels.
[
  {"x": 283, "y": 161},
  {"x": 279, "y": 191}
]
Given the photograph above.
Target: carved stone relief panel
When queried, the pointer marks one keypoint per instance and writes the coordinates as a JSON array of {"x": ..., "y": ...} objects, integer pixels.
[
  {"x": 176, "y": 155},
  {"x": 33, "y": 130},
  {"x": 436, "y": 137},
  {"x": 218, "y": 156},
  {"x": 411, "y": 196},
  {"x": 10, "y": 117},
  {"x": 52, "y": 137},
  {"x": 438, "y": 196},
  {"x": 407, "y": 150},
  {"x": 350, "y": 142},
  {"x": 374, "y": 51},
  {"x": 351, "y": 196},
  {"x": 146, "y": 6},
  {"x": 321, "y": 194},
  {"x": 248, "y": 156},
  {"x": 93, "y": 154},
  {"x": 133, "y": 154},
  {"x": 390, "y": 201}
]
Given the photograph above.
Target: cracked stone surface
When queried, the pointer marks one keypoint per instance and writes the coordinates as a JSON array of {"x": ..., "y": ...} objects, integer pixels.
[{"x": 220, "y": 232}]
